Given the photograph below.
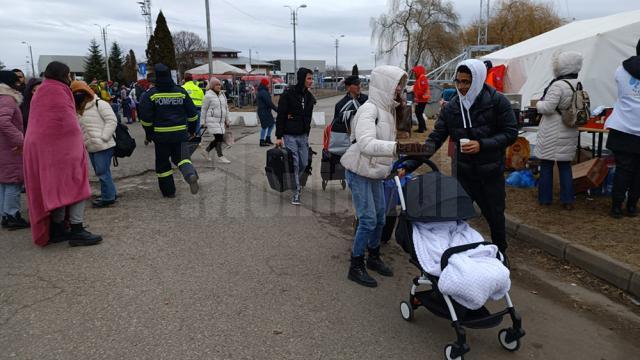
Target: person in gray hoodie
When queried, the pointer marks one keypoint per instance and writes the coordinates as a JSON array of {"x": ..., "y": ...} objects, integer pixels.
[{"x": 624, "y": 137}]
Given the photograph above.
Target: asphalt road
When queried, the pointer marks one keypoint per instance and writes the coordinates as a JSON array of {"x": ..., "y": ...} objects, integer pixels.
[{"x": 236, "y": 272}]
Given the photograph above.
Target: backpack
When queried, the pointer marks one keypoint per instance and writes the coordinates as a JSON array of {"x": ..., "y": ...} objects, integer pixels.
[
  {"x": 339, "y": 131},
  {"x": 578, "y": 112},
  {"x": 125, "y": 143}
]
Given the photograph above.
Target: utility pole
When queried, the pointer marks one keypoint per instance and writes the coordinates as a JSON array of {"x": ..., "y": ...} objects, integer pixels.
[
  {"x": 103, "y": 30},
  {"x": 209, "y": 46},
  {"x": 145, "y": 10},
  {"x": 483, "y": 24},
  {"x": 33, "y": 69},
  {"x": 336, "y": 72}
]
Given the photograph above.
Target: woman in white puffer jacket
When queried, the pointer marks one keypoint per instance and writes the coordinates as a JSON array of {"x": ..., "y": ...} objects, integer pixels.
[
  {"x": 215, "y": 113},
  {"x": 556, "y": 142},
  {"x": 98, "y": 123},
  {"x": 368, "y": 161}
]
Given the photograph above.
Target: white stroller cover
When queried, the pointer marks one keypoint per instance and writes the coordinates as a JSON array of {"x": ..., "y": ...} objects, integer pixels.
[{"x": 472, "y": 277}]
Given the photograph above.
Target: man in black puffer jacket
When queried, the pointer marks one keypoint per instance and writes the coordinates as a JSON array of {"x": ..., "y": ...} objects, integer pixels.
[
  {"x": 482, "y": 124},
  {"x": 295, "y": 110}
]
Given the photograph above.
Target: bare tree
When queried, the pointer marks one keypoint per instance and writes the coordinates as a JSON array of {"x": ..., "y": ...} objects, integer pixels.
[
  {"x": 513, "y": 21},
  {"x": 187, "y": 43},
  {"x": 424, "y": 30}
]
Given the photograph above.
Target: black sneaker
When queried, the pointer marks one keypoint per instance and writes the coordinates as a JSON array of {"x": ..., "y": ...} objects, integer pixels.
[
  {"x": 193, "y": 183},
  {"x": 268, "y": 141},
  {"x": 79, "y": 236},
  {"x": 295, "y": 199},
  {"x": 359, "y": 274},
  {"x": 16, "y": 222},
  {"x": 263, "y": 143}
]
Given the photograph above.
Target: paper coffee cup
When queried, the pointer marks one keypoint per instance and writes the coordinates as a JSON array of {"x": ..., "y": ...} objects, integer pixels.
[{"x": 464, "y": 141}]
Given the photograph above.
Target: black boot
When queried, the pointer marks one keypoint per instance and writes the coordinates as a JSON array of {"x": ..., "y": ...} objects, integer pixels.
[
  {"x": 268, "y": 141},
  {"x": 632, "y": 207},
  {"x": 616, "y": 211},
  {"x": 58, "y": 233},
  {"x": 263, "y": 143},
  {"x": 79, "y": 236},
  {"x": 375, "y": 263},
  {"x": 4, "y": 221},
  {"x": 358, "y": 273},
  {"x": 16, "y": 222}
]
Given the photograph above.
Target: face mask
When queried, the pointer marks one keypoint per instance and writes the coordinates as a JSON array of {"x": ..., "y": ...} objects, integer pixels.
[{"x": 79, "y": 98}]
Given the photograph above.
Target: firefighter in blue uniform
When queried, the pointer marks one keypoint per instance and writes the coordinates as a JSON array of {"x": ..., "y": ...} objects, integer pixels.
[{"x": 169, "y": 117}]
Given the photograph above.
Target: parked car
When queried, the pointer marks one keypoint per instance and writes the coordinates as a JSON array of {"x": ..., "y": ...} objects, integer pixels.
[{"x": 278, "y": 89}]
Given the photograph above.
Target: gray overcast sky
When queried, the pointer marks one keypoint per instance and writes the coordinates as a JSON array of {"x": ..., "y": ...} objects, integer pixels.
[{"x": 66, "y": 26}]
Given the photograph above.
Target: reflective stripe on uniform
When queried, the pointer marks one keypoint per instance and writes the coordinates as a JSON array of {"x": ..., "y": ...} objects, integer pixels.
[
  {"x": 144, "y": 123},
  {"x": 185, "y": 161},
  {"x": 165, "y": 174},
  {"x": 167, "y": 95},
  {"x": 193, "y": 118},
  {"x": 165, "y": 129}
]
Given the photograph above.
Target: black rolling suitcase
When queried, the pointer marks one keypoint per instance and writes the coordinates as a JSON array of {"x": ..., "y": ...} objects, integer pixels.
[
  {"x": 331, "y": 169},
  {"x": 279, "y": 169}
]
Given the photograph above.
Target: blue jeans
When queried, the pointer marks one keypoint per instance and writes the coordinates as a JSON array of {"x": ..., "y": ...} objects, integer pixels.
[
  {"x": 10, "y": 199},
  {"x": 545, "y": 184},
  {"x": 101, "y": 162},
  {"x": 368, "y": 200},
  {"x": 298, "y": 145},
  {"x": 266, "y": 133}
]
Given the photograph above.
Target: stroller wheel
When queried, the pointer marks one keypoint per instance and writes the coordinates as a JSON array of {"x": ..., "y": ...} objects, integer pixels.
[
  {"x": 512, "y": 345},
  {"x": 343, "y": 184},
  {"x": 448, "y": 350},
  {"x": 406, "y": 311}
]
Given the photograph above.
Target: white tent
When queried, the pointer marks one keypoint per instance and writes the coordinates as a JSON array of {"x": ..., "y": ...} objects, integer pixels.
[
  {"x": 604, "y": 42},
  {"x": 219, "y": 68}
]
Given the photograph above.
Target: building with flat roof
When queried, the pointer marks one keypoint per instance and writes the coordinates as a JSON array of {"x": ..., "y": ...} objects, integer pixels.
[{"x": 74, "y": 62}]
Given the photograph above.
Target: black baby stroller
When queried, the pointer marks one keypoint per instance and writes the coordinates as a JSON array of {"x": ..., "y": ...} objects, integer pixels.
[
  {"x": 331, "y": 169},
  {"x": 434, "y": 197}
]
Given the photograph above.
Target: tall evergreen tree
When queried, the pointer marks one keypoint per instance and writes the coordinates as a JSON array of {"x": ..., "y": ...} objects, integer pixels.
[
  {"x": 115, "y": 63},
  {"x": 130, "y": 67},
  {"x": 94, "y": 67},
  {"x": 354, "y": 70},
  {"x": 160, "y": 48}
]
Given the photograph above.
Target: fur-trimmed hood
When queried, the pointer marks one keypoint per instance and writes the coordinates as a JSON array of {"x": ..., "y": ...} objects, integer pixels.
[
  {"x": 567, "y": 63},
  {"x": 7, "y": 90}
]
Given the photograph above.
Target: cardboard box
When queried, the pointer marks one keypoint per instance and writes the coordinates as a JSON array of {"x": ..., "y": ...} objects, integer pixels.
[{"x": 588, "y": 174}]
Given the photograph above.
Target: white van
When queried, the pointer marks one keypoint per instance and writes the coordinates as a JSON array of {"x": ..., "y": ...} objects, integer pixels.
[{"x": 278, "y": 89}]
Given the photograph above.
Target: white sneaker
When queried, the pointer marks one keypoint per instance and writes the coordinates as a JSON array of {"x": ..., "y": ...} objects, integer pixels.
[
  {"x": 224, "y": 160},
  {"x": 205, "y": 153}
]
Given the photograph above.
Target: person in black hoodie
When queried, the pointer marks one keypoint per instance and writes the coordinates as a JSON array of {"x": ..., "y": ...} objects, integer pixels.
[
  {"x": 624, "y": 137},
  {"x": 293, "y": 124},
  {"x": 350, "y": 103}
]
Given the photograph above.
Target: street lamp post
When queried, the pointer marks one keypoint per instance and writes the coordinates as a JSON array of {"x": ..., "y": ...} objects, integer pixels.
[
  {"x": 294, "y": 21},
  {"x": 209, "y": 48},
  {"x": 33, "y": 69},
  {"x": 336, "y": 72},
  {"x": 103, "y": 31}
]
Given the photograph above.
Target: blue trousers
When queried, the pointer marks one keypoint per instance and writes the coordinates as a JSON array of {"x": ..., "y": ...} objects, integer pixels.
[
  {"x": 101, "y": 162},
  {"x": 369, "y": 203},
  {"x": 545, "y": 184},
  {"x": 9, "y": 199},
  {"x": 265, "y": 133}
]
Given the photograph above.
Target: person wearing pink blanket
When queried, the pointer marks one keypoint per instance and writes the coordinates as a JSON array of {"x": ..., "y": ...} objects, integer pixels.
[{"x": 56, "y": 163}]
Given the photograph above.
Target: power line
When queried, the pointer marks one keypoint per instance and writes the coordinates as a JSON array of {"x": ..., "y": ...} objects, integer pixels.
[{"x": 253, "y": 17}]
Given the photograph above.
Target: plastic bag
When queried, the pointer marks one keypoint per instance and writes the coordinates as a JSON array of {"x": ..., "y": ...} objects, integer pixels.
[
  {"x": 228, "y": 138},
  {"x": 521, "y": 179}
]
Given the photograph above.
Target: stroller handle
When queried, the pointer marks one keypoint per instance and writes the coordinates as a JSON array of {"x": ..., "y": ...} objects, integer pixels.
[{"x": 420, "y": 159}]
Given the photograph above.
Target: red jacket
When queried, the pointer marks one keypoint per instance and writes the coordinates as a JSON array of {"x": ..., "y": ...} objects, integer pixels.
[{"x": 421, "y": 92}]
